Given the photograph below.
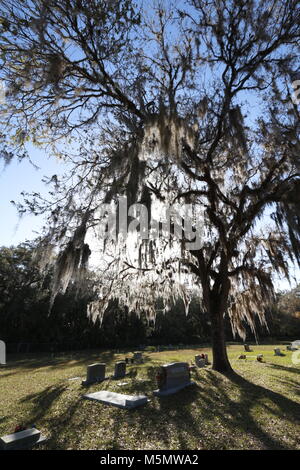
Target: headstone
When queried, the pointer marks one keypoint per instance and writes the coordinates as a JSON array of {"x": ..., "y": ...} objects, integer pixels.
[
  {"x": 138, "y": 357},
  {"x": 200, "y": 361},
  {"x": 296, "y": 344},
  {"x": 21, "y": 440},
  {"x": 120, "y": 370},
  {"x": 95, "y": 373},
  {"x": 260, "y": 358},
  {"x": 118, "y": 399},
  {"x": 291, "y": 348},
  {"x": 243, "y": 356},
  {"x": 173, "y": 377},
  {"x": 247, "y": 348},
  {"x": 205, "y": 359},
  {"x": 277, "y": 352},
  {"x": 2, "y": 352}
]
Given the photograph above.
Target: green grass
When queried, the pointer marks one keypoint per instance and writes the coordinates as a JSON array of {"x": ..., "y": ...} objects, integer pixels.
[{"x": 258, "y": 408}]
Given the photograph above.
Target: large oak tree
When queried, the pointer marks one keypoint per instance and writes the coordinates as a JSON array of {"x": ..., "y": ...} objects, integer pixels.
[{"x": 184, "y": 101}]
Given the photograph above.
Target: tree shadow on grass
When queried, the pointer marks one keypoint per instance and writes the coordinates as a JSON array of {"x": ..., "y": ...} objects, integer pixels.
[
  {"x": 61, "y": 360},
  {"x": 43, "y": 401},
  {"x": 219, "y": 412},
  {"x": 250, "y": 394},
  {"x": 192, "y": 411},
  {"x": 293, "y": 370}
]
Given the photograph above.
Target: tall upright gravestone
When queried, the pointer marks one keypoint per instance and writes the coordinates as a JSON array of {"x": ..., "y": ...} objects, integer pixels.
[
  {"x": 95, "y": 373},
  {"x": 138, "y": 357},
  {"x": 173, "y": 377},
  {"x": 2, "y": 353},
  {"x": 120, "y": 370},
  {"x": 200, "y": 361}
]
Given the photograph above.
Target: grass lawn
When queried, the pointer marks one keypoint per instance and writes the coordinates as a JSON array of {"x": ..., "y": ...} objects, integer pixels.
[{"x": 259, "y": 408}]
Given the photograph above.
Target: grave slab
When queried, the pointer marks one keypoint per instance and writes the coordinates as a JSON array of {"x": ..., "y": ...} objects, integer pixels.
[
  {"x": 117, "y": 399},
  {"x": 21, "y": 440}
]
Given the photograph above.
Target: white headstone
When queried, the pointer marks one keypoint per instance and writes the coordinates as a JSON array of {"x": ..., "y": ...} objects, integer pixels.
[{"x": 2, "y": 352}]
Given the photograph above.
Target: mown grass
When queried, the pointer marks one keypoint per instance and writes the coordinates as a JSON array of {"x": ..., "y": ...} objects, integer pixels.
[{"x": 257, "y": 408}]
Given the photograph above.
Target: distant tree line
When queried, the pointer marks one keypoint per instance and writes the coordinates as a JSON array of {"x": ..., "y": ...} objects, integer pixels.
[{"x": 27, "y": 325}]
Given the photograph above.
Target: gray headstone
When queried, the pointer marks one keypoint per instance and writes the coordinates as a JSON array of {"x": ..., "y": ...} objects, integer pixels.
[
  {"x": 20, "y": 440},
  {"x": 95, "y": 373},
  {"x": 118, "y": 399},
  {"x": 291, "y": 348},
  {"x": 120, "y": 370},
  {"x": 172, "y": 378},
  {"x": 138, "y": 357},
  {"x": 200, "y": 361},
  {"x": 277, "y": 352},
  {"x": 2, "y": 352}
]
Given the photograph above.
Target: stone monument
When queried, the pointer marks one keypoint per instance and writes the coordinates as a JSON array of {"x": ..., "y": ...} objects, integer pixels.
[
  {"x": 2, "y": 353},
  {"x": 200, "y": 361},
  {"x": 120, "y": 370},
  {"x": 173, "y": 377},
  {"x": 95, "y": 373},
  {"x": 138, "y": 357}
]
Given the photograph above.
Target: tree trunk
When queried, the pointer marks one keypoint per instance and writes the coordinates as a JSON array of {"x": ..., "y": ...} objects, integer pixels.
[{"x": 220, "y": 359}]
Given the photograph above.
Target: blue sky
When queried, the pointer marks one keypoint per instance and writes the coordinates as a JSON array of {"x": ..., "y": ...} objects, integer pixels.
[{"x": 23, "y": 176}]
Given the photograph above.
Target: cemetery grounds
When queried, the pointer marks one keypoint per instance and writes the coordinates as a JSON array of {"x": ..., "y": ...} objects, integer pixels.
[{"x": 257, "y": 408}]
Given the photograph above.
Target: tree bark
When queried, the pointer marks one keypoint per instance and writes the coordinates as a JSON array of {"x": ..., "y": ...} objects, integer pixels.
[{"x": 220, "y": 359}]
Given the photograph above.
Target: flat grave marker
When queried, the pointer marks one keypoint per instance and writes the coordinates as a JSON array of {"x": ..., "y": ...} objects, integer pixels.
[
  {"x": 21, "y": 440},
  {"x": 118, "y": 399}
]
